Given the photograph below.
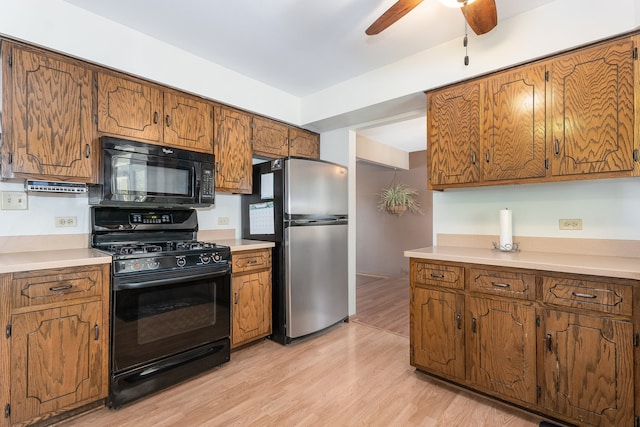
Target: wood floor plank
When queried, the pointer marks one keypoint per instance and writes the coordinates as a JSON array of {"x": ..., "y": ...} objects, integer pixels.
[
  {"x": 353, "y": 375},
  {"x": 384, "y": 303}
]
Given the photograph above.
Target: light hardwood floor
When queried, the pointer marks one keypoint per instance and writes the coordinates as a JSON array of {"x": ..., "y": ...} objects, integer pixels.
[{"x": 355, "y": 374}]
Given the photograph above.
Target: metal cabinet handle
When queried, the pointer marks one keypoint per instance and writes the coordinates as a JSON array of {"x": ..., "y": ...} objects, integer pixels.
[
  {"x": 96, "y": 331},
  {"x": 459, "y": 321},
  {"x": 548, "y": 340},
  {"x": 155, "y": 117},
  {"x": 87, "y": 150},
  {"x": 486, "y": 156},
  {"x": 500, "y": 285},
  {"x": 235, "y": 298},
  {"x": 473, "y": 158},
  {"x": 437, "y": 276},
  {"x": 168, "y": 119},
  {"x": 557, "y": 147},
  {"x": 474, "y": 326},
  {"x": 253, "y": 261},
  {"x": 579, "y": 295},
  {"x": 60, "y": 288}
]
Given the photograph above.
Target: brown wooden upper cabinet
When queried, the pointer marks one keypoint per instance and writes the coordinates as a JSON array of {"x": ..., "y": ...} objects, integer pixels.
[
  {"x": 233, "y": 151},
  {"x": 303, "y": 143},
  {"x": 270, "y": 138},
  {"x": 592, "y": 95},
  {"x": 453, "y": 129},
  {"x": 587, "y": 132},
  {"x": 513, "y": 127},
  {"x": 47, "y": 117},
  {"x": 133, "y": 108}
]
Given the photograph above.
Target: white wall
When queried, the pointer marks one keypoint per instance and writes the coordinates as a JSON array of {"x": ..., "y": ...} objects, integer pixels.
[{"x": 609, "y": 209}]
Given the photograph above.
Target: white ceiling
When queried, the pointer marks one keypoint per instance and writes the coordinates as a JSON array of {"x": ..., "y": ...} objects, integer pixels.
[{"x": 298, "y": 46}]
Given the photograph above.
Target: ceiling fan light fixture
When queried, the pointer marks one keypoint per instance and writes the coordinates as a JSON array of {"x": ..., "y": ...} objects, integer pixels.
[{"x": 455, "y": 3}]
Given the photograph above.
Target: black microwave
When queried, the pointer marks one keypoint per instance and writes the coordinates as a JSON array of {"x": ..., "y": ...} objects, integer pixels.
[{"x": 139, "y": 174}]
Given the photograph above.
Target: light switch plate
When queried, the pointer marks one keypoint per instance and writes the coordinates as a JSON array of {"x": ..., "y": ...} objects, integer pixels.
[{"x": 14, "y": 200}]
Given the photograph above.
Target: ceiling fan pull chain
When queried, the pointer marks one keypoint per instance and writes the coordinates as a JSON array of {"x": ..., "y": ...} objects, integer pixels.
[{"x": 465, "y": 42}]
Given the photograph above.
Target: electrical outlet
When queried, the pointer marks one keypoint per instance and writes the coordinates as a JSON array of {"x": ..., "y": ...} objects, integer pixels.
[
  {"x": 223, "y": 220},
  {"x": 66, "y": 221},
  {"x": 14, "y": 200},
  {"x": 570, "y": 224}
]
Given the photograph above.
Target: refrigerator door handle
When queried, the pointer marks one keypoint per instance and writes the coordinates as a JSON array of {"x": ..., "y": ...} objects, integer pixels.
[{"x": 303, "y": 222}]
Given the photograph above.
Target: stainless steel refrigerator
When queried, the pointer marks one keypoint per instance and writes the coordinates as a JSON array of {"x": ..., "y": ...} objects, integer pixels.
[{"x": 301, "y": 205}]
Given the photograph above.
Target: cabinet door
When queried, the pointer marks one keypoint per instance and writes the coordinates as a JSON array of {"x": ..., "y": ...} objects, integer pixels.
[
  {"x": 587, "y": 361},
  {"x": 513, "y": 137},
  {"x": 592, "y": 104},
  {"x": 233, "y": 151},
  {"x": 501, "y": 348},
  {"x": 129, "y": 108},
  {"x": 188, "y": 122},
  {"x": 453, "y": 139},
  {"x": 51, "y": 122},
  {"x": 270, "y": 138},
  {"x": 251, "y": 311},
  {"x": 56, "y": 359},
  {"x": 437, "y": 334},
  {"x": 304, "y": 144}
]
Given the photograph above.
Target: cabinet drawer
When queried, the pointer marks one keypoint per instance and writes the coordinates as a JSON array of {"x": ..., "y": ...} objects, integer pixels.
[
  {"x": 244, "y": 261},
  {"x": 507, "y": 283},
  {"x": 446, "y": 276},
  {"x": 587, "y": 294},
  {"x": 55, "y": 285}
]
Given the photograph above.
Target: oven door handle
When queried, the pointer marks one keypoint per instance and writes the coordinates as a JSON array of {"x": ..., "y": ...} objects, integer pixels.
[{"x": 140, "y": 281}]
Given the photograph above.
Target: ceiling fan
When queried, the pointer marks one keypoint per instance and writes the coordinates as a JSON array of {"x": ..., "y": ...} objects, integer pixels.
[{"x": 481, "y": 15}]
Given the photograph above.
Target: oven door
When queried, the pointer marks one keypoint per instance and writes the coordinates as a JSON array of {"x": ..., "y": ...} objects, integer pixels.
[{"x": 156, "y": 315}]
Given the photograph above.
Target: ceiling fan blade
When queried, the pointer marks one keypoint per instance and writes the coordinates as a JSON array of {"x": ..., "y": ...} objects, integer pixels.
[
  {"x": 482, "y": 16},
  {"x": 395, "y": 12}
]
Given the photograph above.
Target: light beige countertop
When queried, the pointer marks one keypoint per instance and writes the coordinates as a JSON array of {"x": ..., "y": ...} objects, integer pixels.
[
  {"x": 39, "y": 260},
  {"x": 244, "y": 244},
  {"x": 608, "y": 266}
]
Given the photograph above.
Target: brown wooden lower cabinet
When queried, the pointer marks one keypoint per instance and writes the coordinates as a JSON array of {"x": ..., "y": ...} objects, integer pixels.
[
  {"x": 251, "y": 296},
  {"x": 57, "y": 330},
  {"x": 568, "y": 355}
]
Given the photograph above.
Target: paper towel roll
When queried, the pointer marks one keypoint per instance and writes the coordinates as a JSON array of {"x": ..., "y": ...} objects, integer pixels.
[{"x": 506, "y": 230}]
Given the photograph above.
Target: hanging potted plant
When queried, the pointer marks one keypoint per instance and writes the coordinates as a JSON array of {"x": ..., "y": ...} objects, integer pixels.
[{"x": 397, "y": 199}]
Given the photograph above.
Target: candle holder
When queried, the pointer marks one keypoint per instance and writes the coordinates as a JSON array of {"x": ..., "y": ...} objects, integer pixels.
[{"x": 506, "y": 248}]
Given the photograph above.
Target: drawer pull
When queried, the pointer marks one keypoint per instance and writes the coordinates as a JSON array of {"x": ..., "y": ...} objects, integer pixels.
[
  {"x": 437, "y": 276},
  {"x": 580, "y": 295},
  {"x": 459, "y": 321},
  {"x": 548, "y": 340},
  {"x": 60, "y": 288},
  {"x": 500, "y": 285},
  {"x": 96, "y": 330},
  {"x": 474, "y": 325},
  {"x": 235, "y": 298},
  {"x": 252, "y": 262}
]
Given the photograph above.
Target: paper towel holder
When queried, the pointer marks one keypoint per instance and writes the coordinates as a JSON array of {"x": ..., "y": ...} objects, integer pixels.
[{"x": 514, "y": 247}]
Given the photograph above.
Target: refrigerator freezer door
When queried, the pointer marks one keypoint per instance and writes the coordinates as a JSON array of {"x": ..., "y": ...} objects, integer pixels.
[
  {"x": 316, "y": 278},
  {"x": 315, "y": 187}
]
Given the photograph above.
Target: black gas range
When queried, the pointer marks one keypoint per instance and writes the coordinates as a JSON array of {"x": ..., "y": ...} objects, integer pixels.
[
  {"x": 154, "y": 240},
  {"x": 170, "y": 298}
]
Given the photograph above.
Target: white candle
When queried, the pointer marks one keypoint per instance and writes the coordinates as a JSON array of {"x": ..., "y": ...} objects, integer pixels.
[{"x": 506, "y": 230}]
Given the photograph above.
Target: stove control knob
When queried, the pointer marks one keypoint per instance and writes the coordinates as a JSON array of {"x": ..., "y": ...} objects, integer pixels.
[
  {"x": 217, "y": 257},
  {"x": 205, "y": 258},
  {"x": 153, "y": 264},
  {"x": 181, "y": 261}
]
